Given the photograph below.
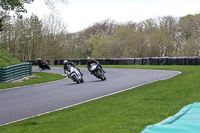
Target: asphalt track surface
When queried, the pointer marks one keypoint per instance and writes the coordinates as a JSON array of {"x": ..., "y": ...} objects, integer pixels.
[{"x": 24, "y": 102}]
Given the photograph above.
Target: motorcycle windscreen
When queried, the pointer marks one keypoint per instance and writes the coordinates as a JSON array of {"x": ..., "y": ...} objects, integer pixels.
[{"x": 93, "y": 66}]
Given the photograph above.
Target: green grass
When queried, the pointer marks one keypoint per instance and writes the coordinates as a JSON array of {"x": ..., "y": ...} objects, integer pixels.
[
  {"x": 127, "y": 112},
  {"x": 40, "y": 78},
  {"x": 6, "y": 59}
]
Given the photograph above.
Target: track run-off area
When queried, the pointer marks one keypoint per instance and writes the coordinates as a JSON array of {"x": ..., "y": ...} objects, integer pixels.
[{"x": 24, "y": 102}]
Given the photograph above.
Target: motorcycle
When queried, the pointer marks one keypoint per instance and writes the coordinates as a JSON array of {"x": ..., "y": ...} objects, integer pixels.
[
  {"x": 74, "y": 74},
  {"x": 44, "y": 65},
  {"x": 98, "y": 72}
]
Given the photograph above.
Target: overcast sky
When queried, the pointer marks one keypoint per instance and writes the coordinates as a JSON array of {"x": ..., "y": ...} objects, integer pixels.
[{"x": 79, "y": 14}]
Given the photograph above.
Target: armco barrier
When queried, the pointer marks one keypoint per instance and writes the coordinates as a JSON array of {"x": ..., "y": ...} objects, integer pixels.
[
  {"x": 10, "y": 73},
  {"x": 139, "y": 61}
]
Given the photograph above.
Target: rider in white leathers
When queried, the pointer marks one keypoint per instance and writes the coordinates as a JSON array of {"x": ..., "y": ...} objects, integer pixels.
[{"x": 66, "y": 63}]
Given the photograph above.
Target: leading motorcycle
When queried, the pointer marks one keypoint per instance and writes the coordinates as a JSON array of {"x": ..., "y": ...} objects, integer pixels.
[
  {"x": 43, "y": 64},
  {"x": 97, "y": 71},
  {"x": 74, "y": 74}
]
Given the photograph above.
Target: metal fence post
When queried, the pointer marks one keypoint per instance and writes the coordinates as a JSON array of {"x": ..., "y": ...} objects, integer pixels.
[
  {"x": 2, "y": 75},
  {"x": 30, "y": 68}
]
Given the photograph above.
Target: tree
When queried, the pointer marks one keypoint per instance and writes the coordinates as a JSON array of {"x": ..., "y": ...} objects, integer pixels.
[
  {"x": 54, "y": 32},
  {"x": 103, "y": 48},
  {"x": 51, "y": 4},
  {"x": 22, "y": 37},
  {"x": 18, "y": 7},
  {"x": 110, "y": 46},
  {"x": 14, "y": 5},
  {"x": 169, "y": 26},
  {"x": 1, "y": 23},
  {"x": 189, "y": 35},
  {"x": 11, "y": 5},
  {"x": 189, "y": 25},
  {"x": 191, "y": 47}
]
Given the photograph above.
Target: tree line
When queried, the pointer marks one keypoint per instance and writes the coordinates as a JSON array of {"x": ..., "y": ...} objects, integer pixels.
[{"x": 48, "y": 38}]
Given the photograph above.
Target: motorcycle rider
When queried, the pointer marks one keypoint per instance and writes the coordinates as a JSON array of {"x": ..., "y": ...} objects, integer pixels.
[
  {"x": 43, "y": 64},
  {"x": 40, "y": 62},
  {"x": 66, "y": 63},
  {"x": 90, "y": 61}
]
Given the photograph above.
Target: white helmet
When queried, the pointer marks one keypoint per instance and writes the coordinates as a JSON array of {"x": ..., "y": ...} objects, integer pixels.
[
  {"x": 88, "y": 58},
  {"x": 65, "y": 61},
  {"x": 39, "y": 58}
]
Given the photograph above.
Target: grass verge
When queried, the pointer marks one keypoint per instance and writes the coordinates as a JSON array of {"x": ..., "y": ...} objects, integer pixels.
[
  {"x": 7, "y": 59},
  {"x": 129, "y": 111},
  {"x": 40, "y": 78}
]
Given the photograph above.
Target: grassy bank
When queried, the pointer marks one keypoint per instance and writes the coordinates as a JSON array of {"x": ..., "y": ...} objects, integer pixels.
[
  {"x": 129, "y": 111},
  {"x": 6, "y": 59},
  {"x": 39, "y": 78}
]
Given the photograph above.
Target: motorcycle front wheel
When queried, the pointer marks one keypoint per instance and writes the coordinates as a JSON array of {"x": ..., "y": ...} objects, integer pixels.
[
  {"x": 76, "y": 79},
  {"x": 101, "y": 75},
  {"x": 81, "y": 80}
]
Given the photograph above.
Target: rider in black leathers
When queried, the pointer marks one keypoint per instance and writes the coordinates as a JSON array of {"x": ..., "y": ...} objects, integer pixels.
[
  {"x": 90, "y": 61},
  {"x": 39, "y": 62},
  {"x": 43, "y": 64}
]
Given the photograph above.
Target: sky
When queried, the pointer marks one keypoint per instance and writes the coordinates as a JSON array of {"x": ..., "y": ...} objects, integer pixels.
[{"x": 80, "y": 14}]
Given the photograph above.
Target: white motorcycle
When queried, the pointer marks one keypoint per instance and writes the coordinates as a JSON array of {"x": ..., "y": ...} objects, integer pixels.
[{"x": 74, "y": 74}]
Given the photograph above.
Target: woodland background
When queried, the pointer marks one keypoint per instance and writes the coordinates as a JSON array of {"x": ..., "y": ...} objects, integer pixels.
[{"x": 48, "y": 38}]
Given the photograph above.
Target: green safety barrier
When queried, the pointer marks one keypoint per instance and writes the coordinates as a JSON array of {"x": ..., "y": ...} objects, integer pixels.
[{"x": 10, "y": 73}]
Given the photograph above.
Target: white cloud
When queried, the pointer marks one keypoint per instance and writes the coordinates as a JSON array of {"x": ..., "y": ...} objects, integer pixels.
[{"x": 80, "y": 14}]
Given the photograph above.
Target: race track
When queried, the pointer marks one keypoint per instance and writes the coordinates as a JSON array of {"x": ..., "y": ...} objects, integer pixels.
[{"x": 24, "y": 102}]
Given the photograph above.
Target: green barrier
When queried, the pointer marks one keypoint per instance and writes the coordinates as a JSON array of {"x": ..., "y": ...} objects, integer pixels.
[
  {"x": 187, "y": 120},
  {"x": 10, "y": 73},
  {"x": 0, "y": 74}
]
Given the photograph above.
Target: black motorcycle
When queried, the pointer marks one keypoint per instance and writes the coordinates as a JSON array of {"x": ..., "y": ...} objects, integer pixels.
[
  {"x": 44, "y": 65},
  {"x": 97, "y": 71}
]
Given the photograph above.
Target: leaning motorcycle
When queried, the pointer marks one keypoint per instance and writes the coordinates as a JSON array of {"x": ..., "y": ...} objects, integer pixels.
[
  {"x": 98, "y": 72},
  {"x": 45, "y": 65},
  {"x": 74, "y": 74}
]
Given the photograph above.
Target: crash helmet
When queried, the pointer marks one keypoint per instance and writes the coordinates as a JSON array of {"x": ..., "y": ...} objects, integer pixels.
[
  {"x": 39, "y": 58},
  {"x": 88, "y": 58},
  {"x": 65, "y": 61}
]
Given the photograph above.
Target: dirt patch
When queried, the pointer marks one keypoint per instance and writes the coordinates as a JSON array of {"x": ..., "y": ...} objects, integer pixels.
[{"x": 24, "y": 78}]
